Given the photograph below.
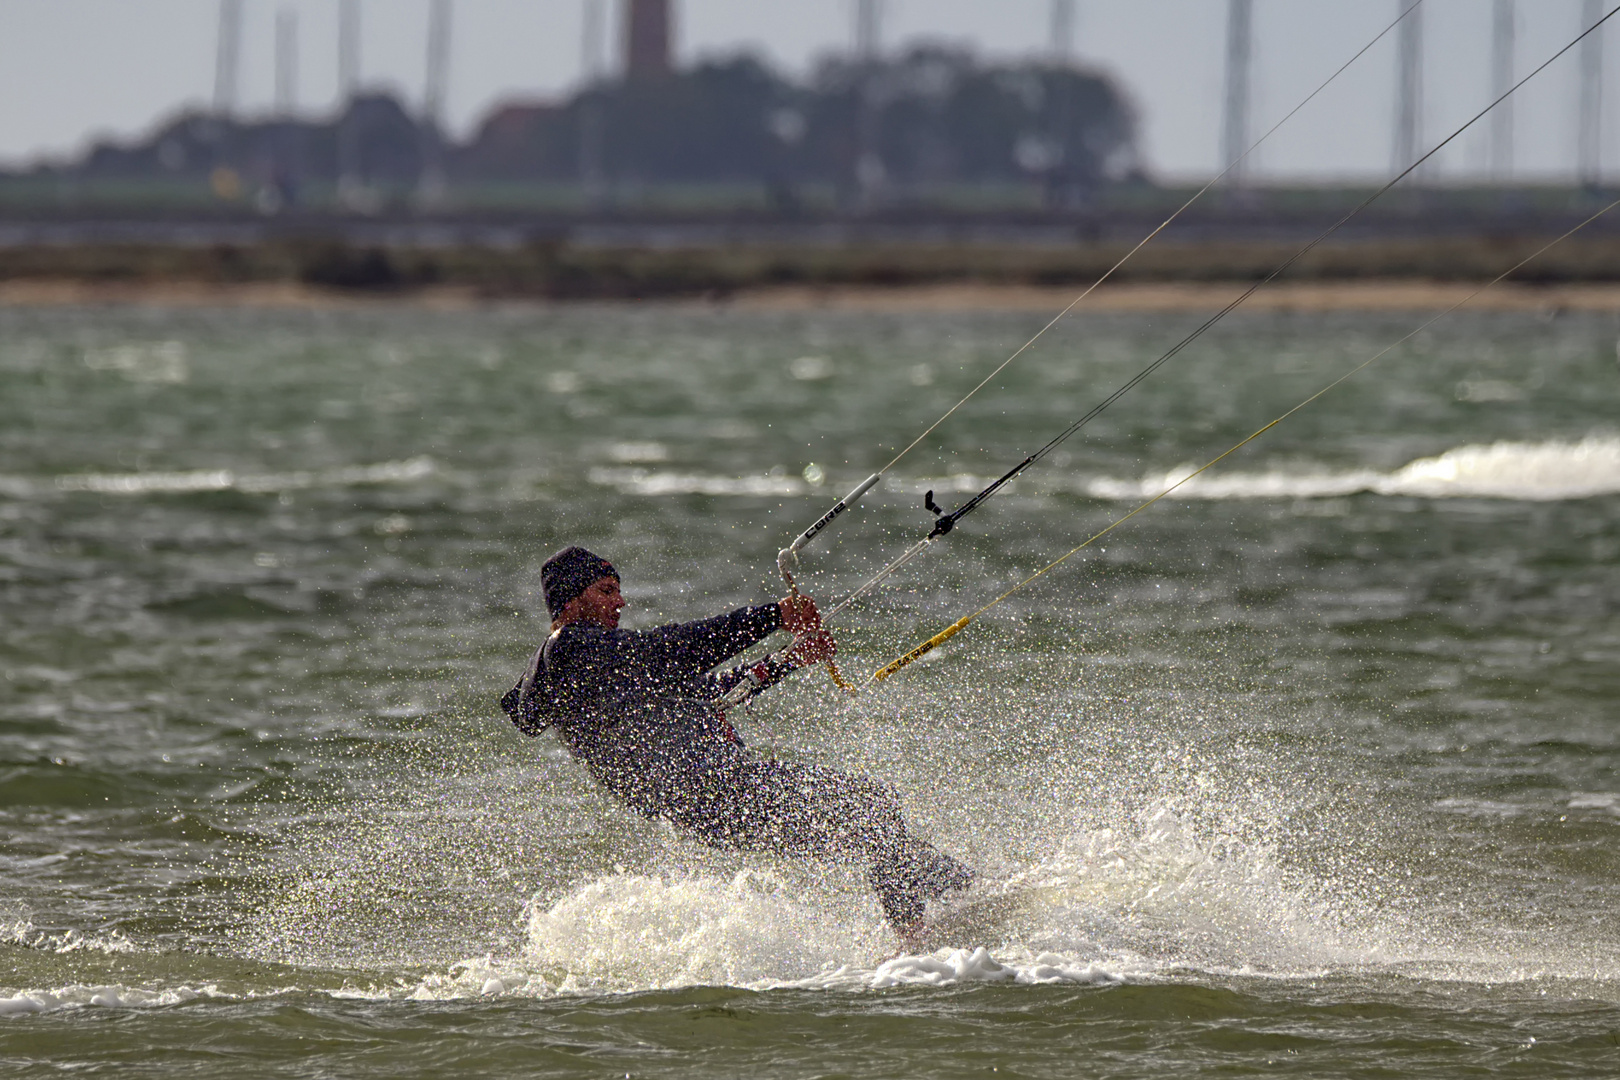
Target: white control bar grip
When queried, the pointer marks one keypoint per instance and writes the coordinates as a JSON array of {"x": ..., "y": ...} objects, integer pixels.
[{"x": 790, "y": 554}]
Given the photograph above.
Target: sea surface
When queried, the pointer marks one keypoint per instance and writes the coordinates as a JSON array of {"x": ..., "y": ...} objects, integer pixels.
[{"x": 1310, "y": 769}]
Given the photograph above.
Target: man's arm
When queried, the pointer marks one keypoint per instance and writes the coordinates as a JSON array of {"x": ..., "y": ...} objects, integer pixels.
[
  {"x": 676, "y": 658},
  {"x": 810, "y": 646},
  {"x": 680, "y": 652},
  {"x": 664, "y": 660}
]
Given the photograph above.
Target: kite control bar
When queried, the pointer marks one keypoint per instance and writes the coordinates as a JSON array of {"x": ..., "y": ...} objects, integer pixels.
[
  {"x": 786, "y": 561},
  {"x": 788, "y": 558}
]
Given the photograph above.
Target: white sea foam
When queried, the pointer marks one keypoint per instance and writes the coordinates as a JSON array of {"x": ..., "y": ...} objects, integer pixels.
[
  {"x": 1596, "y": 800},
  {"x": 151, "y": 483},
  {"x": 947, "y": 967},
  {"x": 22, "y": 932},
  {"x": 109, "y": 996},
  {"x": 632, "y": 932},
  {"x": 642, "y": 481},
  {"x": 638, "y": 452},
  {"x": 635, "y": 930},
  {"x": 1544, "y": 472},
  {"x": 1481, "y": 808},
  {"x": 1099, "y": 910},
  {"x": 143, "y": 362},
  {"x": 14, "y": 1001}
]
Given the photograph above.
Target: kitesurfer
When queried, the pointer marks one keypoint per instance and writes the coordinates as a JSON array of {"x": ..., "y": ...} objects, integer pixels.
[{"x": 639, "y": 708}]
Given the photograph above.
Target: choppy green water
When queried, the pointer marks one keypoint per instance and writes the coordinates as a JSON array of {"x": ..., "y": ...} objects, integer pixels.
[{"x": 1310, "y": 772}]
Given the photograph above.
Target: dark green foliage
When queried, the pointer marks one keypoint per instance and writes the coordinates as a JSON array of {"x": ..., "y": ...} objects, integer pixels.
[
  {"x": 388, "y": 145},
  {"x": 931, "y": 117}
]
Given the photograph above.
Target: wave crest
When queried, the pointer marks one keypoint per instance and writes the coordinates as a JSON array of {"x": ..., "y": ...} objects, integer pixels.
[{"x": 1540, "y": 472}]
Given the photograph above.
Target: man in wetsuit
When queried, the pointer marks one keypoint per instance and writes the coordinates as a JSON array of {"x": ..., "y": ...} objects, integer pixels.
[{"x": 640, "y": 709}]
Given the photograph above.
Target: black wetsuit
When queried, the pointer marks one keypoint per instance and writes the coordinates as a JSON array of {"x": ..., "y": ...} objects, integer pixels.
[{"x": 638, "y": 708}]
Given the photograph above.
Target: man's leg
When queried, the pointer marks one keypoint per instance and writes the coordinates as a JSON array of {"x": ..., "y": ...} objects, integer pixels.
[
  {"x": 806, "y": 810},
  {"x": 906, "y": 881}
]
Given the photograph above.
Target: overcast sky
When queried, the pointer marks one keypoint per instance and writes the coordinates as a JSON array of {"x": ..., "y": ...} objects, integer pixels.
[{"x": 76, "y": 70}]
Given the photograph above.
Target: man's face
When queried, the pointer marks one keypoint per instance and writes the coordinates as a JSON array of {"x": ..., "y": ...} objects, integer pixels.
[{"x": 599, "y": 603}]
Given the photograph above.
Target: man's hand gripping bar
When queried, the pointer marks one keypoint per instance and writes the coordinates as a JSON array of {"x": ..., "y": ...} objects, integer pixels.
[{"x": 788, "y": 558}]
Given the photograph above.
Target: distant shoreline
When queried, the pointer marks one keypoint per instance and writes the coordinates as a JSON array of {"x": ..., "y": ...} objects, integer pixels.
[{"x": 1392, "y": 294}]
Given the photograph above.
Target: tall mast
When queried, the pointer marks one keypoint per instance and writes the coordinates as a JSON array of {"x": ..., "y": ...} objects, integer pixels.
[
  {"x": 592, "y": 63},
  {"x": 438, "y": 63},
  {"x": 1503, "y": 25},
  {"x": 1239, "y": 58},
  {"x": 348, "y": 49},
  {"x": 225, "y": 58},
  {"x": 1060, "y": 41},
  {"x": 286, "y": 62},
  {"x": 348, "y": 137},
  {"x": 1408, "y": 88},
  {"x": 1589, "y": 143},
  {"x": 435, "y": 84},
  {"x": 868, "y": 29}
]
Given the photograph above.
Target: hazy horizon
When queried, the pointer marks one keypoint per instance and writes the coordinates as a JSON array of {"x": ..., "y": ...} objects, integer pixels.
[{"x": 81, "y": 70}]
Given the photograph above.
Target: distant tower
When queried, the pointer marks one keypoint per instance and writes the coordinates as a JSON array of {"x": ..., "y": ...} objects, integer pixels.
[
  {"x": 434, "y": 89},
  {"x": 1062, "y": 32},
  {"x": 868, "y": 29},
  {"x": 1589, "y": 144},
  {"x": 230, "y": 46},
  {"x": 286, "y": 62},
  {"x": 646, "y": 38},
  {"x": 1503, "y": 26},
  {"x": 1408, "y": 88},
  {"x": 1239, "y": 60}
]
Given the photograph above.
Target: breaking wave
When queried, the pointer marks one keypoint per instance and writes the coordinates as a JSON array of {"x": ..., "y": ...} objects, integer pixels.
[
  {"x": 205, "y": 480},
  {"x": 1101, "y": 909},
  {"x": 23, "y": 933},
  {"x": 110, "y": 996},
  {"x": 640, "y": 481},
  {"x": 1542, "y": 472}
]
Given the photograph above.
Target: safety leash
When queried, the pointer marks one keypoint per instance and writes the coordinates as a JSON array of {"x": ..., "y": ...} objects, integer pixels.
[{"x": 787, "y": 558}]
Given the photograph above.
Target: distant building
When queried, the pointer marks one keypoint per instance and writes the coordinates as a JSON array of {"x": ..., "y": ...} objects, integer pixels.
[
  {"x": 647, "y": 26},
  {"x": 521, "y": 141}
]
